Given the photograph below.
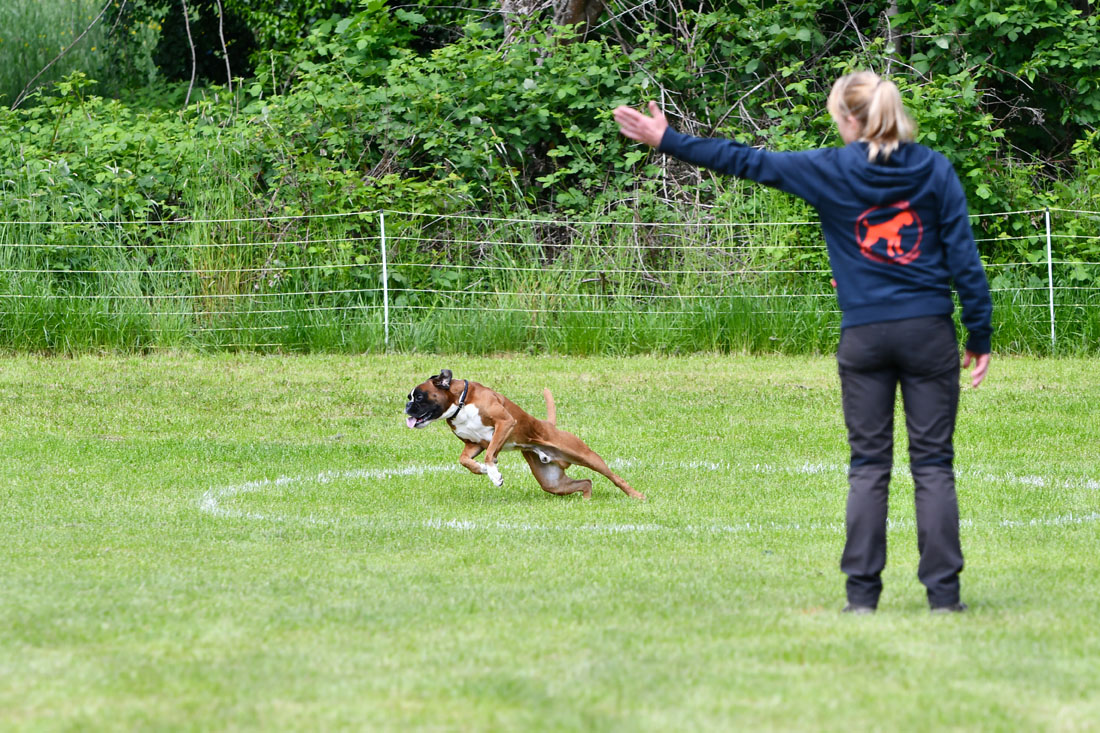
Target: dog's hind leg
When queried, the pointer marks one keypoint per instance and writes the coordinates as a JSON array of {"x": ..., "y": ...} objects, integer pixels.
[
  {"x": 552, "y": 478},
  {"x": 574, "y": 450},
  {"x": 597, "y": 464}
]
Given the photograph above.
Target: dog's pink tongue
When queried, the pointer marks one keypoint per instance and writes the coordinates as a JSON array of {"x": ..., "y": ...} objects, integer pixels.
[{"x": 410, "y": 421}]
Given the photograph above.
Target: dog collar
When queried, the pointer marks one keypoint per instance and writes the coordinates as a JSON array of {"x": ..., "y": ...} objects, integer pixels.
[{"x": 462, "y": 399}]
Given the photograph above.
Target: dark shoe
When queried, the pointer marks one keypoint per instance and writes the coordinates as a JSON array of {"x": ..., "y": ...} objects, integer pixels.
[
  {"x": 951, "y": 608},
  {"x": 857, "y": 609}
]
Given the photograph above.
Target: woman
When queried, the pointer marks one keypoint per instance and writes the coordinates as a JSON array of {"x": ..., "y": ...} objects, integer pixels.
[{"x": 896, "y": 228}]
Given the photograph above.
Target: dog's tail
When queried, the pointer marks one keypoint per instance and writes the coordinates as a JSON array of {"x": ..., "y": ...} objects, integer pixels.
[{"x": 551, "y": 413}]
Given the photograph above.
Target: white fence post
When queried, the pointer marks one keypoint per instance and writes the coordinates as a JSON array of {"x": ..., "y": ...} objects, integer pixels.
[
  {"x": 1050, "y": 279},
  {"x": 385, "y": 280}
]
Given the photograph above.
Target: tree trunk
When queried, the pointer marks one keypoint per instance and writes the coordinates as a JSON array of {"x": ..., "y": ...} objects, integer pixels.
[
  {"x": 581, "y": 13},
  {"x": 519, "y": 15}
]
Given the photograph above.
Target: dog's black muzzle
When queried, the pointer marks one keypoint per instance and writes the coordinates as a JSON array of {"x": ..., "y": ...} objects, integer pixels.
[{"x": 421, "y": 412}]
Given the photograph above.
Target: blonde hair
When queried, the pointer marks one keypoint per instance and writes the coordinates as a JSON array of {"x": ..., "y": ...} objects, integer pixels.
[{"x": 876, "y": 104}]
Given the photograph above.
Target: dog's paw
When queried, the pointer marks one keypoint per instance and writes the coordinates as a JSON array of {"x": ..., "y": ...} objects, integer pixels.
[{"x": 494, "y": 475}]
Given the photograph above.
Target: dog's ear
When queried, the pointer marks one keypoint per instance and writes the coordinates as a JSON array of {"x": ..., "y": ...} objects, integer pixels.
[{"x": 443, "y": 379}]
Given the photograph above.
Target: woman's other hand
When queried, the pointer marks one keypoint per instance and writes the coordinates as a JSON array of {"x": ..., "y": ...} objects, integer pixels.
[{"x": 981, "y": 366}]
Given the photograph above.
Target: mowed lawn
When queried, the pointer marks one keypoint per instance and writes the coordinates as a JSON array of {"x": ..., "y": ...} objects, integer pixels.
[{"x": 241, "y": 542}]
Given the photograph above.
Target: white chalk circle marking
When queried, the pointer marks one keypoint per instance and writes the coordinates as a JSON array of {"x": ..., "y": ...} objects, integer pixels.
[{"x": 217, "y": 502}]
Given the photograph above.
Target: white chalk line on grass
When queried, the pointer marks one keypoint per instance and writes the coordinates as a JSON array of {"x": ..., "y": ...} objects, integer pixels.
[
  {"x": 212, "y": 498},
  {"x": 214, "y": 502}
]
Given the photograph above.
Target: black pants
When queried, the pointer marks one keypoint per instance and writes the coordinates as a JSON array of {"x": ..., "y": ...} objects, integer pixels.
[{"x": 922, "y": 355}]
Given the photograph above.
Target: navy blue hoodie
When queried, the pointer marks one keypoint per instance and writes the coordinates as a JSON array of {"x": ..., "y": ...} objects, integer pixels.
[{"x": 897, "y": 231}]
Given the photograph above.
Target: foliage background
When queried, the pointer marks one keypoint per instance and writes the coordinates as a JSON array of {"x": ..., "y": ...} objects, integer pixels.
[{"x": 474, "y": 106}]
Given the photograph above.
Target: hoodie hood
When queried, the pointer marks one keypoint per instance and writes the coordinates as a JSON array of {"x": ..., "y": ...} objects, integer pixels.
[{"x": 899, "y": 178}]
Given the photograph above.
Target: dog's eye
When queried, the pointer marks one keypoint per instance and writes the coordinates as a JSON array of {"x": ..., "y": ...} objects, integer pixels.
[{"x": 420, "y": 398}]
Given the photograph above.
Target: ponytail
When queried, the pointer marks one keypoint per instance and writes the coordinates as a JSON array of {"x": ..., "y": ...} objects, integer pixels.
[{"x": 876, "y": 104}]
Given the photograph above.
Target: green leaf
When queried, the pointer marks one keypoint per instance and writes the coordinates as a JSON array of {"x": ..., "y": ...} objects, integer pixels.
[{"x": 410, "y": 17}]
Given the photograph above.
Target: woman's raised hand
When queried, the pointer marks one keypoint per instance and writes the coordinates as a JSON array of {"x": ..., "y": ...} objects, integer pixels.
[{"x": 640, "y": 126}]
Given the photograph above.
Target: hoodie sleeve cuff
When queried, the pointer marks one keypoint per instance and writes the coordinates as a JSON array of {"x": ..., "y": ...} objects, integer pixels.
[
  {"x": 668, "y": 139},
  {"x": 978, "y": 343}
]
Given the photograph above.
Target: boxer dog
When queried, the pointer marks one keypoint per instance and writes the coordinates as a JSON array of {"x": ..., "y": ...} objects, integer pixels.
[{"x": 488, "y": 421}]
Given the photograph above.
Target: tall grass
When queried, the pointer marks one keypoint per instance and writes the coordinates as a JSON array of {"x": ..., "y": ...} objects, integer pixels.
[
  {"x": 34, "y": 32},
  {"x": 222, "y": 280}
]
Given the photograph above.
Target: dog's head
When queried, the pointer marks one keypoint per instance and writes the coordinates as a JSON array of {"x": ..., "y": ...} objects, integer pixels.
[{"x": 428, "y": 401}]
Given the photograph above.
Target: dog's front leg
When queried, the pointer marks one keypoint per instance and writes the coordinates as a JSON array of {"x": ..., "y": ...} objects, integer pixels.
[
  {"x": 469, "y": 452},
  {"x": 501, "y": 430}
]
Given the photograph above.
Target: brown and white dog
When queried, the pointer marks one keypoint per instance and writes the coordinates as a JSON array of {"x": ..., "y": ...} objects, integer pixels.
[{"x": 488, "y": 421}]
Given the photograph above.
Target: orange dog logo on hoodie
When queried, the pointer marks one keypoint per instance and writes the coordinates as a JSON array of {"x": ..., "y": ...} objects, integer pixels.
[{"x": 902, "y": 232}]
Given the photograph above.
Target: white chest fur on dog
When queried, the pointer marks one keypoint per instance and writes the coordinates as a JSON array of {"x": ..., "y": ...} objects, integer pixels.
[{"x": 468, "y": 426}]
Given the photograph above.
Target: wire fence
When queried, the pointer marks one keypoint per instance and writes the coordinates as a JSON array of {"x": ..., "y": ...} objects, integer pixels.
[{"x": 371, "y": 280}]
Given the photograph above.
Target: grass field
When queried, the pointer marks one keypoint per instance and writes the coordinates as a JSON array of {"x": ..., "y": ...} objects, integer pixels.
[{"x": 242, "y": 542}]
